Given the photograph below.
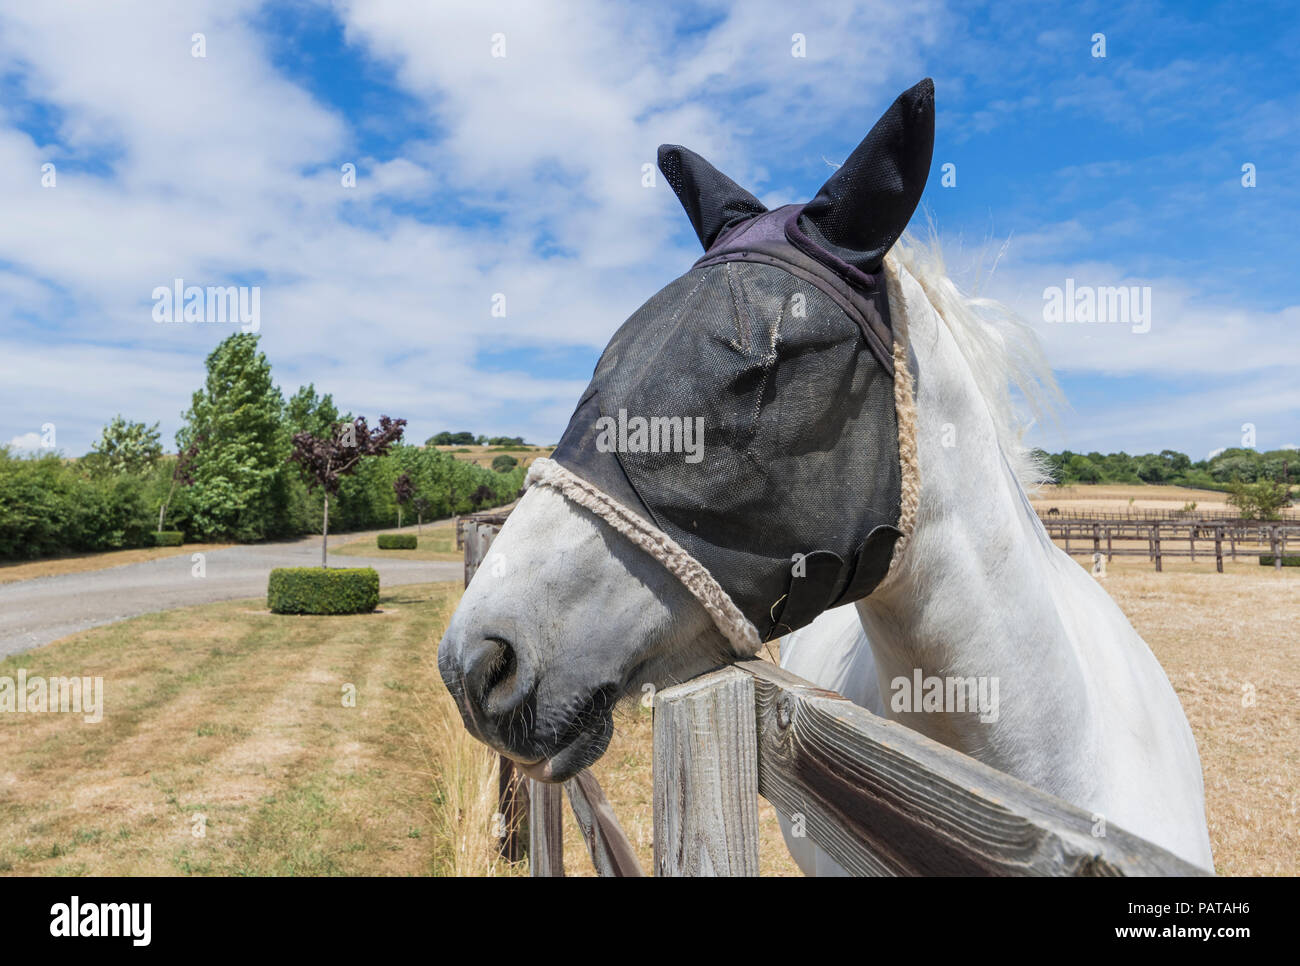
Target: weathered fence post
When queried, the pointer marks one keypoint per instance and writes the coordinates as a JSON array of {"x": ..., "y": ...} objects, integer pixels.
[
  {"x": 706, "y": 777},
  {"x": 545, "y": 829},
  {"x": 1155, "y": 530},
  {"x": 1218, "y": 549}
]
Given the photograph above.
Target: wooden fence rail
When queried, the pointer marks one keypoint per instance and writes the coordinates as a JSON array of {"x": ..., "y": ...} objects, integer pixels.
[
  {"x": 1198, "y": 516},
  {"x": 879, "y": 798},
  {"x": 1158, "y": 539}
]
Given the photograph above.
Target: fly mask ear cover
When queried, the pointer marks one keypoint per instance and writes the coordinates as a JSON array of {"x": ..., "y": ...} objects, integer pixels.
[{"x": 742, "y": 425}]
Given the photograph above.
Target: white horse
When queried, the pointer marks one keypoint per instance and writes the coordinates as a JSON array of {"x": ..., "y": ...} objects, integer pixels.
[{"x": 577, "y": 605}]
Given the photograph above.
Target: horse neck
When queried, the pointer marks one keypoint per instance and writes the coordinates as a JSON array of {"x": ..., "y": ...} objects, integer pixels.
[{"x": 974, "y": 592}]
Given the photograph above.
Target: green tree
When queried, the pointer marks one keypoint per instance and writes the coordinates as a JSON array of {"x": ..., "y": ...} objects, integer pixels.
[
  {"x": 1261, "y": 500},
  {"x": 306, "y": 412},
  {"x": 504, "y": 463},
  {"x": 125, "y": 447},
  {"x": 240, "y": 485}
]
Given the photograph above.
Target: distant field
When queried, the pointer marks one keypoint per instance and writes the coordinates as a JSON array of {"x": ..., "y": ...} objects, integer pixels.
[
  {"x": 484, "y": 455},
  {"x": 1115, "y": 497}
]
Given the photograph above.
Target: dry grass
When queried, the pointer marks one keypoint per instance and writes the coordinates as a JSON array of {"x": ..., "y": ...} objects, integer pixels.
[
  {"x": 229, "y": 713},
  {"x": 1114, "y": 498},
  {"x": 76, "y": 563},
  {"x": 1224, "y": 639},
  {"x": 484, "y": 455}
]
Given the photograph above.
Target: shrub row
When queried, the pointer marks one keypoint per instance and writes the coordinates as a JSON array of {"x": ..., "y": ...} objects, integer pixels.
[
  {"x": 316, "y": 590},
  {"x": 398, "y": 541},
  {"x": 1267, "y": 560},
  {"x": 168, "y": 538}
]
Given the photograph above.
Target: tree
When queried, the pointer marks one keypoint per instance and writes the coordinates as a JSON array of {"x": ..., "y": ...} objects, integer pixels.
[
  {"x": 504, "y": 463},
  {"x": 446, "y": 438},
  {"x": 326, "y": 461},
  {"x": 308, "y": 413},
  {"x": 240, "y": 484},
  {"x": 404, "y": 489},
  {"x": 1080, "y": 469},
  {"x": 1260, "y": 500},
  {"x": 421, "y": 506},
  {"x": 126, "y": 447},
  {"x": 182, "y": 475}
]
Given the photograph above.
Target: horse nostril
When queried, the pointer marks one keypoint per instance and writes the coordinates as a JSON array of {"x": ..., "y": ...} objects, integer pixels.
[{"x": 492, "y": 678}]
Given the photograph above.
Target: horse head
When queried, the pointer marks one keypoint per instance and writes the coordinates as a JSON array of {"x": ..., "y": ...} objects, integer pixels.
[{"x": 732, "y": 471}]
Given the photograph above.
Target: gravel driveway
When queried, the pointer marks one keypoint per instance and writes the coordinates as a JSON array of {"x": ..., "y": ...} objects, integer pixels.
[{"x": 44, "y": 609}]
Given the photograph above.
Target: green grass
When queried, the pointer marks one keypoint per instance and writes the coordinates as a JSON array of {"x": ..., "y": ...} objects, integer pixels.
[{"x": 236, "y": 716}]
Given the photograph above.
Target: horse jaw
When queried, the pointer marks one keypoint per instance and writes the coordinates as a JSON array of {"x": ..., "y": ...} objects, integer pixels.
[{"x": 589, "y": 618}]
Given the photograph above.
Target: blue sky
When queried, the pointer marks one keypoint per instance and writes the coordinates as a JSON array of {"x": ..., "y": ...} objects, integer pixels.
[{"x": 521, "y": 175}]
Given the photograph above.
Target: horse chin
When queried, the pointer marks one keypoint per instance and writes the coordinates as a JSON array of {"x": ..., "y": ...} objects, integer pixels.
[{"x": 582, "y": 752}]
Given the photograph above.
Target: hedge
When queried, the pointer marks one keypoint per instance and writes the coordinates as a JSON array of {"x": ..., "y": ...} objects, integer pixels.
[
  {"x": 168, "y": 538},
  {"x": 1267, "y": 559},
  {"x": 398, "y": 541},
  {"x": 316, "y": 590}
]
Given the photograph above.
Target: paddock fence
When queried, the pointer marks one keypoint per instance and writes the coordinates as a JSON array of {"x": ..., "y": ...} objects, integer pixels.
[
  {"x": 1195, "y": 516},
  {"x": 877, "y": 797},
  {"x": 1158, "y": 539}
]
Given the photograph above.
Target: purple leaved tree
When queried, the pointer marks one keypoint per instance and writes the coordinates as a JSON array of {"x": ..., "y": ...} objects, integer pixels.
[
  {"x": 324, "y": 462},
  {"x": 404, "y": 488}
]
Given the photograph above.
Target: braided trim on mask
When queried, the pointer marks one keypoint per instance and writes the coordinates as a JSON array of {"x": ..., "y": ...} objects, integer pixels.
[
  {"x": 735, "y": 627},
  {"x": 905, "y": 408}
]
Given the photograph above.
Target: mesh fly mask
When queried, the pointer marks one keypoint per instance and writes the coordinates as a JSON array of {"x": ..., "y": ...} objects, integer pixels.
[{"x": 743, "y": 426}]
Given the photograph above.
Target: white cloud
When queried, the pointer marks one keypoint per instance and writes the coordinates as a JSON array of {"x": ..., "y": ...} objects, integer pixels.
[
  {"x": 27, "y": 442},
  {"x": 220, "y": 168}
]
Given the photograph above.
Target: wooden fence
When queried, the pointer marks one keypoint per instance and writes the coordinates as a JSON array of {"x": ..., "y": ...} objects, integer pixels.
[
  {"x": 879, "y": 798},
  {"x": 1158, "y": 539},
  {"x": 1198, "y": 516}
]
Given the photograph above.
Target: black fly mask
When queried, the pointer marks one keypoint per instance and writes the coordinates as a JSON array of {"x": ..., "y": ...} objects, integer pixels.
[{"x": 742, "y": 426}]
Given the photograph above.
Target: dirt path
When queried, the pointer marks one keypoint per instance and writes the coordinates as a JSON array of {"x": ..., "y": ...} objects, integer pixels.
[{"x": 38, "y": 611}]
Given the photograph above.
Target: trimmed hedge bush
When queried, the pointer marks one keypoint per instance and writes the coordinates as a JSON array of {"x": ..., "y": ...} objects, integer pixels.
[
  {"x": 168, "y": 538},
  {"x": 1266, "y": 560},
  {"x": 397, "y": 541},
  {"x": 316, "y": 590}
]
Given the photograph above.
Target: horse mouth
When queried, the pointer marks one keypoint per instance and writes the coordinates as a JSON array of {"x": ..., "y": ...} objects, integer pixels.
[{"x": 582, "y": 743}]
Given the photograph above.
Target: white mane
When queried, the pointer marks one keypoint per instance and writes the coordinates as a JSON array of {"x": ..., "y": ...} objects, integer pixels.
[{"x": 1000, "y": 348}]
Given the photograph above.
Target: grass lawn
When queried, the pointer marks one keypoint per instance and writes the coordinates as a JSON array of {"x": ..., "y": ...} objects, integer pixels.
[
  {"x": 437, "y": 541},
  {"x": 80, "y": 562},
  {"x": 228, "y": 719}
]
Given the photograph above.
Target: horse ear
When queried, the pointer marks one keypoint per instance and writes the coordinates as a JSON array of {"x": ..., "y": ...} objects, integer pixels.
[
  {"x": 712, "y": 201},
  {"x": 865, "y": 205}
]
